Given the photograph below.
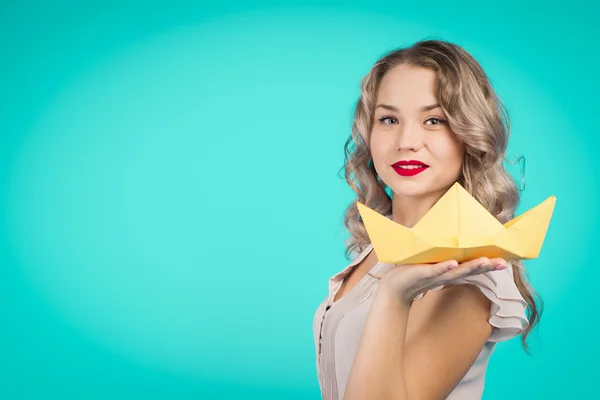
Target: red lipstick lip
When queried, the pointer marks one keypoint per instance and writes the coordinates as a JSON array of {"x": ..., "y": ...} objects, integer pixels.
[
  {"x": 409, "y": 172},
  {"x": 409, "y": 162}
]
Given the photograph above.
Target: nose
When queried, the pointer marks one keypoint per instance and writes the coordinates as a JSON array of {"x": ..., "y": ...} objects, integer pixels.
[{"x": 409, "y": 136}]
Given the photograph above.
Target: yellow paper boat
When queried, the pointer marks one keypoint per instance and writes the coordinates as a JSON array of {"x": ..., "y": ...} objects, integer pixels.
[{"x": 458, "y": 228}]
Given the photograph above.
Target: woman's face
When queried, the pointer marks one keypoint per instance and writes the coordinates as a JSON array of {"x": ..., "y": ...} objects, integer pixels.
[{"x": 414, "y": 151}]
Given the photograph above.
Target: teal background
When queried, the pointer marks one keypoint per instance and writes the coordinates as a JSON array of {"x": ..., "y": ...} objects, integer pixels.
[{"x": 170, "y": 209}]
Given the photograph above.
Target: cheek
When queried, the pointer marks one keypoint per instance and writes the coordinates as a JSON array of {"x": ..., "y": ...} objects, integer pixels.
[
  {"x": 448, "y": 151},
  {"x": 378, "y": 149}
]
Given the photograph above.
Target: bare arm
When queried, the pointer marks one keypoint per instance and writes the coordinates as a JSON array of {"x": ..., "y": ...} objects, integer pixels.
[{"x": 446, "y": 332}]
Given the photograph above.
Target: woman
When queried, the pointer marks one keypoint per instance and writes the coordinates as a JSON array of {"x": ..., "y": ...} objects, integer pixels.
[{"x": 427, "y": 117}]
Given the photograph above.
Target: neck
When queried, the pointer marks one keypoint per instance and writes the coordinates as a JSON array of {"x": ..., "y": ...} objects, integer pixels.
[{"x": 408, "y": 210}]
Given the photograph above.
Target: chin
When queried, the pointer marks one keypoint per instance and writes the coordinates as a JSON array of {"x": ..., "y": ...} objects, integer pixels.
[{"x": 412, "y": 187}]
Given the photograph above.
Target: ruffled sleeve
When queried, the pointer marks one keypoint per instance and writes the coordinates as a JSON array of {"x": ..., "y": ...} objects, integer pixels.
[{"x": 507, "y": 313}]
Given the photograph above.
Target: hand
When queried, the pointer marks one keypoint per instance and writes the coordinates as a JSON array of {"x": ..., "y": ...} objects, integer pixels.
[{"x": 405, "y": 282}]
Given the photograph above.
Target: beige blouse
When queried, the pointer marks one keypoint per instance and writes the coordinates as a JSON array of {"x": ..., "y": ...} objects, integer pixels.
[{"x": 338, "y": 326}]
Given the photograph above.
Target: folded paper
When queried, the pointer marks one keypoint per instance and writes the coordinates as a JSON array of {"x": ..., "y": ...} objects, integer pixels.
[{"x": 458, "y": 227}]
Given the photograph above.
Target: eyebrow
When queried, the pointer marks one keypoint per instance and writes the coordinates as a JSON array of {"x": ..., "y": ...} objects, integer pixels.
[{"x": 422, "y": 109}]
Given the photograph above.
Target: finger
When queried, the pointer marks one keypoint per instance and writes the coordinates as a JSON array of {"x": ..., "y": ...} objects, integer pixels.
[
  {"x": 472, "y": 267},
  {"x": 444, "y": 266},
  {"x": 499, "y": 263},
  {"x": 476, "y": 263},
  {"x": 491, "y": 264}
]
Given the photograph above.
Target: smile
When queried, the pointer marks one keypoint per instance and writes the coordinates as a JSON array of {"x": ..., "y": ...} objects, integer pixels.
[{"x": 409, "y": 168}]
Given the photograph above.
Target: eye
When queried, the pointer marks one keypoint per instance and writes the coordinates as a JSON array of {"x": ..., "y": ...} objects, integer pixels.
[
  {"x": 439, "y": 121},
  {"x": 385, "y": 118}
]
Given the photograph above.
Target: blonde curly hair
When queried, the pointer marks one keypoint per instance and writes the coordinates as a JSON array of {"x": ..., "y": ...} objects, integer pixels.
[{"x": 478, "y": 118}]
